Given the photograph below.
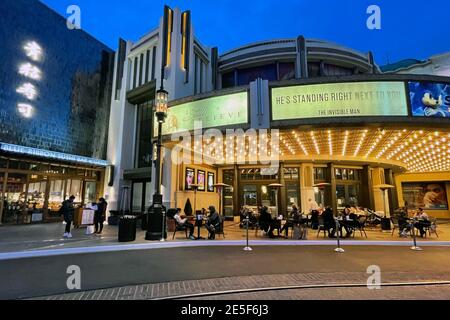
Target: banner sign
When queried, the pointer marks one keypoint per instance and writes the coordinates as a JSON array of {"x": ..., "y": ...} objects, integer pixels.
[
  {"x": 334, "y": 100},
  {"x": 221, "y": 111},
  {"x": 428, "y": 195},
  {"x": 430, "y": 99}
]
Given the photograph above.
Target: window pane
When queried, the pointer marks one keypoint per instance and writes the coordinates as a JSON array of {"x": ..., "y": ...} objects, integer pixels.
[
  {"x": 74, "y": 189},
  {"x": 268, "y": 72},
  {"x": 228, "y": 80},
  {"x": 137, "y": 197},
  {"x": 286, "y": 71},
  {"x": 91, "y": 192},
  {"x": 56, "y": 196},
  {"x": 144, "y": 144}
]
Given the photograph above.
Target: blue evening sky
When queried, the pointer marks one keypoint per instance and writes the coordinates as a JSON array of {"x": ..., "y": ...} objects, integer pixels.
[{"x": 410, "y": 28}]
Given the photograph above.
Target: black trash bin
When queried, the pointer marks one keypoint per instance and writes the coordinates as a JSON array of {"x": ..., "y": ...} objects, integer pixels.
[{"x": 127, "y": 228}]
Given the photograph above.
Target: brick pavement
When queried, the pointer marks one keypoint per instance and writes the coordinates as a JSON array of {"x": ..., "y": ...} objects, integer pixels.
[{"x": 200, "y": 287}]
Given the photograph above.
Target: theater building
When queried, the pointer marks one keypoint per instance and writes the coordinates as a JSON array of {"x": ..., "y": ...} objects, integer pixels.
[
  {"x": 344, "y": 128},
  {"x": 55, "y": 89}
]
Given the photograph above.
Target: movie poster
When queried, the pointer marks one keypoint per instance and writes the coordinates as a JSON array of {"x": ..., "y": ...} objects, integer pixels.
[
  {"x": 430, "y": 99},
  {"x": 427, "y": 195},
  {"x": 190, "y": 175},
  {"x": 211, "y": 181},
  {"x": 201, "y": 180}
]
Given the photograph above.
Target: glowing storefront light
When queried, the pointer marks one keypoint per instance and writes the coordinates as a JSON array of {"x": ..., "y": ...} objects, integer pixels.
[
  {"x": 30, "y": 71},
  {"x": 25, "y": 109},
  {"x": 28, "y": 90},
  {"x": 51, "y": 155},
  {"x": 33, "y": 51}
]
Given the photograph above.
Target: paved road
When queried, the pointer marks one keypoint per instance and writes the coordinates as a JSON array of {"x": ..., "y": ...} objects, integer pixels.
[{"x": 35, "y": 277}]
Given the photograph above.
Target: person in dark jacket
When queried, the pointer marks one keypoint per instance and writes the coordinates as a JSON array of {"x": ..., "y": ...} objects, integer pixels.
[
  {"x": 329, "y": 222},
  {"x": 100, "y": 215},
  {"x": 266, "y": 222},
  {"x": 68, "y": 210},
  {"x": 213, "y": 222},
  {"x": 295, "y": 220}
]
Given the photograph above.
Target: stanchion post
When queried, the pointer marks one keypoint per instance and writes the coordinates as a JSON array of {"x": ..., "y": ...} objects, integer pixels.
[
  {"x": 247, "y": 248},
  {"x": 338, "y": 249},
  {"x": 415, "y": 247}
]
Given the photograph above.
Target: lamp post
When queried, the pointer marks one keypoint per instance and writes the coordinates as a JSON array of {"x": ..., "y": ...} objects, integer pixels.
[
  {"x": 157, "y": 209},
  {"x": 220, "y": 187}
]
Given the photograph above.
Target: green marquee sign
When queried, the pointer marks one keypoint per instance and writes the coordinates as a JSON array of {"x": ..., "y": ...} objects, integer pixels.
[
  {"x": 359, "y": 99},
  {"x": 221, "y": 111}
]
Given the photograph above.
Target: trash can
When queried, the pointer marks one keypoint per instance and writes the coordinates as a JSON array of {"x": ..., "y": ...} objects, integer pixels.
[
  {"x": 127, "y": 228},
  {"x": 385, "y": 224}
]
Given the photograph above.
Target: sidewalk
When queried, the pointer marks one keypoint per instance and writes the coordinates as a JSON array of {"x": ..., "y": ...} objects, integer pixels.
[{"x": 49, "y": 237}]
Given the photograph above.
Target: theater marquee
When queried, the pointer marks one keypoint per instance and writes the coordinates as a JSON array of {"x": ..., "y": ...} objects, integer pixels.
[
  {"x": 359, "y": 99},
  {"x": 222, "y": 111}
]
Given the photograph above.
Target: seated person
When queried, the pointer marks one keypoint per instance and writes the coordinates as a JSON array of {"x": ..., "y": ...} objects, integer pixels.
[
  {"x": 184, "y": 222},
  {"x": 296, "y": 219},
  {"x": 422, "y": 221},
  {"x": 265, "y": 222},
  {"x": 213, "y": 222},
  {"x": 329, "y": 222},
  {"x": 403, "y": 223},
  {"x": 345, "y": 223}
]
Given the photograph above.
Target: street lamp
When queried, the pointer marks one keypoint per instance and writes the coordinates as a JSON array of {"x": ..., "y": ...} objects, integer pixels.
[{"x": 157, "y": 209}]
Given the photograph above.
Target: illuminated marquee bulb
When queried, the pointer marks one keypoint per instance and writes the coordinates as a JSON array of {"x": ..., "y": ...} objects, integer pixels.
[
  {"x": 33, "y": 51},
  {"x": 28, "y": 90}
]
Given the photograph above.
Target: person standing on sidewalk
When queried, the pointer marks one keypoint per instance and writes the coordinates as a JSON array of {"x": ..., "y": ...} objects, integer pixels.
[
  {"x": 67, "y": 210},
  {"x": 100, "y": 215}
]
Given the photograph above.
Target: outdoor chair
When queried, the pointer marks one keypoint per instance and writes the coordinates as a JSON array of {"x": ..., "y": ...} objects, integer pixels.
[
  {"x": 322, "y": 227},
  {"x": 220, "y": 227},
  {"x": 179, "y": 227},
  {"x": 394, "y": 221},
  {"x": 360, "y": 225}
]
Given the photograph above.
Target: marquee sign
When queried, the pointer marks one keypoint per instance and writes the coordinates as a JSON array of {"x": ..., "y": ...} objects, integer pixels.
[
  {"x": 335, "y": 100},
  {"x": 221, "y": 111}
]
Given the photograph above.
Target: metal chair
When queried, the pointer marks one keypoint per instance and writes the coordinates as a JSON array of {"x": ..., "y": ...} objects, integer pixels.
[
  {"x": 322, "y": 228},
  {"x": 360, "y": 225}
]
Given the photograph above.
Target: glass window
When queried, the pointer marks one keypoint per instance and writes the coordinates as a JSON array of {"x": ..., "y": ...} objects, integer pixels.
[
  {"x": 36, "y": 193},
  {"x": 3, "y": 162},
  {"x": 228, "y": 80},
  {"x": 292, "y": 194},
  {"x": 90, "y": 192},
  {"x": 74, "y": 189},
  {"x": 313, "y": 69},
  {"x": 228, "y": 199},
  {"x": 354, "y": 194},
  {"x": 138, "y": 189},
  {"x": 344, "y": 174},
  {"x": 351, "y": 174},
  {"x": 250, "y": 196},
  {"x": 148, "y": 195},
  {"x": 319, "y": 174},
  {"x": 286, "y": 71},
  {"x": 267, "y": 72},
  {"x": 56, "y": 196},
  {"x": 144, "y": 145},
  {"x": 338, "y": 174}
]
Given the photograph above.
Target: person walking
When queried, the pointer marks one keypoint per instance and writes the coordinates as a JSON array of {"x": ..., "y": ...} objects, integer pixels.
[
  {"x": 68, "y": 210},
  {"x": 100, "y": 215}
]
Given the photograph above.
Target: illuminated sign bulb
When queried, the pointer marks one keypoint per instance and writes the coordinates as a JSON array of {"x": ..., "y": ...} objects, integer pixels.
[
  {"x": 33, "y": 51},
  {"x": 30, "y": 71},
  {"x": 25, "y": 109},
  {"x": 28, "y": 90}
]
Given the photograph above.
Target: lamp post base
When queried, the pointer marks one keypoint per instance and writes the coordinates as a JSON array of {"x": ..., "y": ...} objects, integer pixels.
[
  {"x": 416, "y": 248},
  {"x": 248, "y": 249},
  {"x": 339, "y": 250}
]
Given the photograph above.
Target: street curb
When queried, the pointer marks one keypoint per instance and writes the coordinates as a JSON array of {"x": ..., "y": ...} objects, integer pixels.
[{"x": 236, "y": 243}]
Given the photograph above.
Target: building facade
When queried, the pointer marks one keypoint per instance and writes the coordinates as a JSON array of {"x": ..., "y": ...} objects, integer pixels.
[
  {"x": 55, "y": 89},
  {"x": 341, "y": 128}
]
